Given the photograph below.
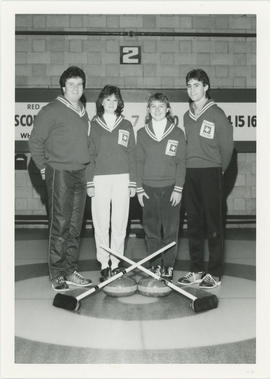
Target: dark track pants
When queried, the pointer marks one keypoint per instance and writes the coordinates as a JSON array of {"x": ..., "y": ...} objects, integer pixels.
[
  {"x": 203, "y": 200},
  {"x": 66, "y": 203},
  {"x": 161, "y": 223}
]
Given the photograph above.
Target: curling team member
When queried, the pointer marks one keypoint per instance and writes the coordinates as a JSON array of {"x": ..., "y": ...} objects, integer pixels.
[
  {"x": 111, "y": 177},
  {"x": 59, "y": 146},
  {"x": 160, "y": 179},
  {"x": 209, "y": 149}
]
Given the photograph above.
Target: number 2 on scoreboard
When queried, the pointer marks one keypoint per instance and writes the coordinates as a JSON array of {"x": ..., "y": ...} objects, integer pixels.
[{"x": 130, "y": 55}]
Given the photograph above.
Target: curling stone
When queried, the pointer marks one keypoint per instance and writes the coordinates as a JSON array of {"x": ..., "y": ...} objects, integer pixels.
[
  {"x": 153, "y": 287},
  {"x": 121, "y": 287}
]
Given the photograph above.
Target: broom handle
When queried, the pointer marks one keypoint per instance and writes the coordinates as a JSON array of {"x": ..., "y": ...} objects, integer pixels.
[
  {"x": 130, "y": 268},
  {"x": 167, "y": 282}
]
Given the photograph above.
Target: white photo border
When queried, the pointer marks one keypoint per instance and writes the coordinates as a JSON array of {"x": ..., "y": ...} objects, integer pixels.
[{"x": 11, "y": 370}]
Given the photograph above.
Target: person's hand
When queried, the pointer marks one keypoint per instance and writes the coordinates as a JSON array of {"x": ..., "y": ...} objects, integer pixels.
[
  {"x": 175, "y": 198},
  {"x": 42, "y": 173},
  {"x": 91, "y": 191},
  {"x": 141, "y": 196},
  {"x": 132, "y": 192}
]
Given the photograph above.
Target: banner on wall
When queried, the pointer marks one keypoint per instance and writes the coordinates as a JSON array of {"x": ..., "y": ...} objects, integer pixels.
[{"x": 241, "y": 115}]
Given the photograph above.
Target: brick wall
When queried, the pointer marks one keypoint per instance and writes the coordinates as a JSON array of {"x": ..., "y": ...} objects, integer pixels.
[
  {"x": 230, "y": 63},
  {"x": 242, "y": 200}
]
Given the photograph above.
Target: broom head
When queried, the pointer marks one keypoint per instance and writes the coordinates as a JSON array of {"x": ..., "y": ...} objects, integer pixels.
[{"x": 66, "y": 302}]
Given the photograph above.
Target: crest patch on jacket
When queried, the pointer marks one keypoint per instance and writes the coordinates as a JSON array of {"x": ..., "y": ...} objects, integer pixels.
[
  {"x": 123, "y": 137},
  {"x": 171, "y": 147},
  {"x": 207, "y": 129}
]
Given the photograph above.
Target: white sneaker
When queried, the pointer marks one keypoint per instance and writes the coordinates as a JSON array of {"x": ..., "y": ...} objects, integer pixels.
[
  {"x": 156, "y": 270},
  {"x": 59, "y": 284},
  {"x": 76, "y": 279},
  {"x": 210, "y": 281},
  {"x": 191, "y": 278}
]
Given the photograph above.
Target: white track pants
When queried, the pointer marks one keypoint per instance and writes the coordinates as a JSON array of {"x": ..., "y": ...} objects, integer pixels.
[{"x": 111, "y": 191}]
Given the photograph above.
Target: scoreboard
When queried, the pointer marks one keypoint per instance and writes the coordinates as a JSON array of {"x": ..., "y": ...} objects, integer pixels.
[{"x": 238, "y": 105}]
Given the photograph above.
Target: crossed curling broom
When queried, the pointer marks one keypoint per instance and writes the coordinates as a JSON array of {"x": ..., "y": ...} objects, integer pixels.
[{"x": 200, "y": 300}]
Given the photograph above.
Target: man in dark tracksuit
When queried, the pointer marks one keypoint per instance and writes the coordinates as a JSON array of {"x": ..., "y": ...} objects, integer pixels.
[
  {"x": 59, "y": 148},
  {"x": 209, "y": 149}
]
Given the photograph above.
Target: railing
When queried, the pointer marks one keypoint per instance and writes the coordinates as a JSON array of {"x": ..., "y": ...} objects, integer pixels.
[{"x": 42, "y": 220}]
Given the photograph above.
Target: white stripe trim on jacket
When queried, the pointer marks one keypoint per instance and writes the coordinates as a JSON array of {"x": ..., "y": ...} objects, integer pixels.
[
  {"x": 105, "y": 126},
  {"x": 207, "y": 106},
  {"x": 81, "y": 112},
  {"x": 154, "y": 137}
]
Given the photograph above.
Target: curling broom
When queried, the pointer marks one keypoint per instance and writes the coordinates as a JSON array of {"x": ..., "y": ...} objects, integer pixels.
[
  {"x": 72, "y": 303},
  {"x": 201, "y": 300}
]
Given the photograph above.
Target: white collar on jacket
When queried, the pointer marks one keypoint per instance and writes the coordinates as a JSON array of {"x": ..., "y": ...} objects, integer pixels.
[
  {"x": 64, "y": 101},
  {"x": 151, "y": 133},
  {"x": 207, "y": 105},
  {"x": 102, "y": 122}
]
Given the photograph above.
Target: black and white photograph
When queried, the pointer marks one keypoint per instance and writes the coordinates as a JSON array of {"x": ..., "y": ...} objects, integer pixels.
[{"x": 134, "y": 164}]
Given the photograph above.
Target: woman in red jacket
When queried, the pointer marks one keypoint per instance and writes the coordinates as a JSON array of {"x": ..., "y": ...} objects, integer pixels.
[
  {"x": 160, "y": 179},
  {"x": 111, "y": 175}
]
